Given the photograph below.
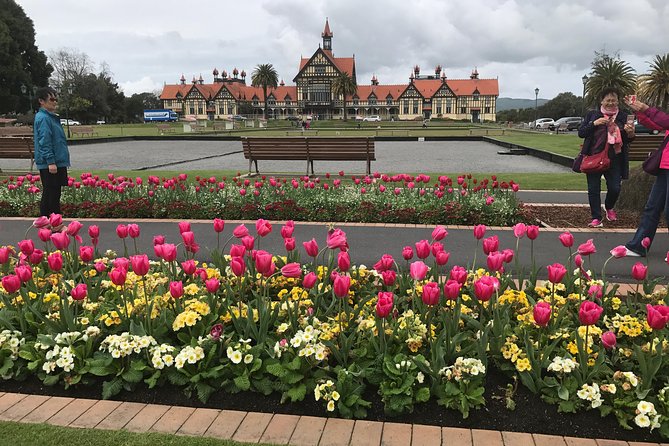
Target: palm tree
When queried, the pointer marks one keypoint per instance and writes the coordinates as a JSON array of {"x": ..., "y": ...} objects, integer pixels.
[
  {"x": 344, "y": 85},
  {"x": 265, "y": 76},
  {"x": 609, "y": 72},
  {"x": 654, "y": 85}
]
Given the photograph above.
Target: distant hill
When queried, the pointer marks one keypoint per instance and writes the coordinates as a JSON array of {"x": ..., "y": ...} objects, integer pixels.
[{"x": 513, "y": 103}]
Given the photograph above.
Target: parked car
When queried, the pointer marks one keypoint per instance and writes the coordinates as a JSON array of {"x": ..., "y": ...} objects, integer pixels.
[
  {"x": 359, "y": 118},
  {"x": 238, "y": 118},
  {"x": 293, "y": 118},
  {"x": 69, "y": 122},
  {"x": 543, "y": 123},
  {"x": 638, "y": 128},
  {"x": 572, "y": 123},
  {"x": 100, "y": 121},
  {"x": 372, "y": 118}
]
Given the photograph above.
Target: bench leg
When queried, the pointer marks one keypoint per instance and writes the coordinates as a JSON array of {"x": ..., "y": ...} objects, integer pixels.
[
  {"x": 250, "y": 164},
  {"x": 256, "y": 163},
  {"x": 369, "y": 167}
]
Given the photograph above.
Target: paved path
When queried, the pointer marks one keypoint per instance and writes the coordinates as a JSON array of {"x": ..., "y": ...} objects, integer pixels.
[
  {"x": 253, "y": 427},
  {"x": 369, "y": 241}
]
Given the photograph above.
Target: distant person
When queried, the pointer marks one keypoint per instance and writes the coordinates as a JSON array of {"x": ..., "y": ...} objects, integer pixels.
[
  {"x": 52, "y": 156},
  {"x": 654, "y": 119},
  {"x": 606, "y": 128}
]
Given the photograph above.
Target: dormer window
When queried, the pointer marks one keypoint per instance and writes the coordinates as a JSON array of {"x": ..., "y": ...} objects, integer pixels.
[
  {"x": 356, "y": 101},
  {"x": 371, "y": 100},
  {"x": 389, "y": 100}
]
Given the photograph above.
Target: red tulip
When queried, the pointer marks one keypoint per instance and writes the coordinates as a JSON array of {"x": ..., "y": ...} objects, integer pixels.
[
  {"x": 343, "y": 261},
  {"x": 79, "y": 292},
  {"x": 216, "y": 332},
  {"x": 658, "y": 316},
  {"x": 5, "y": 252},
  {"x": 519, "y": 230},
  {"x": 532, "y": 232},
  {"x": 55, "y": 220},
  {"x": 184, "y": 226},
  {"x": 121, "y": 262},
  {"x": 385, "y": 263},
  {"x": 384, "y": 304},
  {"x": 289, "y": 244},
  {"x": 508, "y": 255},
  {"x": 490, "y": 244},
  {"x": 133, "y": 230},
  {"x": 60, "y": 240},
  {"x": 249, "y": 242},
  {"x": 589, "y": 313},
  {"x": 439, "y": 233},
  {"x": 619, "y": 251},
  {"x": 237, "y": 250},
  {"x": 176, "y": 289},
  {"x": 341, "y": 285},
  {"x": 542, "y": 313},
  {"x": 431, "y": 293},
  {"x": 495, "y": 261},
  {"x": 479, "y": 231},
  {"x": 94, "y": 231},
  {"x": 567, "y": 239},
  {"x": 237, "y": 266},
  {"x": 26, "y": 246},
  {"x": 44, "y": 234},
  {"x": 452, "y": 289},
  {"x": 36, "y": 257},
  {"x": 240, "y": 231},
  {"x": 73, "y": 228},
  {"x": 122, "y": 231},
  {"x": 118, "y": 276},
  {"x": 158, "y": 240},
  {"x": 389, "y": 277},
  {"x": 311, "y": 247},
  {"x": 263, "y": 227},
  {"x": 292, "y": 270},
  {"x": 24, "y": 272},
  {"x": 646, "y": 242},
  {"x": 639, "y": 271},
  {"x": 442, "y": 258},
  {"x": 309, "y": 280},
  {"x": 287, "y": 229},
  {"x": 407, "y": 253},
  {"x": 55, "y": 261},
  {"x": 337, "y": 240},
  {"x": 212, "y": 285},
  {"x": 188, "y": 267},
  {"x": 422, "y": 249},
  {"x": 609, "y": 340},
  {"x": 140, "y": 264},
  {"x": 263, "y": 261},
  {"x": 587, "y": 248},
  {"x": 11, "y": 283},
  {"x": 418, "y": 270},
  {"x": 219, "y": 225},
  {"x": 86, "y": 253},
  {"x": 556, "y": 272},
  {"x": 485, "y": 287},
  {"x": 458, "y": 273}
]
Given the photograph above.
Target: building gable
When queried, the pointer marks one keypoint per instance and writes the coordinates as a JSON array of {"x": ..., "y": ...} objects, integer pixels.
[{"x": 318, "y": 64}]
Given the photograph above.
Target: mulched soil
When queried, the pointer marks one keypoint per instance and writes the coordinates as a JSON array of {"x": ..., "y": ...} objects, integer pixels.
[
  {"x": 563, "y": 216},
  {"x": 530, "y": 415}
]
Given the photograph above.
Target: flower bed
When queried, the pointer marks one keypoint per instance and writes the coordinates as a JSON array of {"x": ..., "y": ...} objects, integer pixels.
[
  {"x": 375, "y": 198},
  {"x": 306, "y": 324}
]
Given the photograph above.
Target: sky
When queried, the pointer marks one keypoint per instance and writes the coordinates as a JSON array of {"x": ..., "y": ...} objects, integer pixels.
[{"x": 525, "y": 44}]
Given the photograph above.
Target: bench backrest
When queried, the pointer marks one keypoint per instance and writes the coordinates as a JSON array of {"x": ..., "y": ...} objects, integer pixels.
[
  {"x": 81, "y": 129},
  {"x": 330, "y": 149},
  {"x": 643, "y": 144},
  {"x": 16, "y": 147},
  {"x": 275, "y": 148},
  {"x": 16, "y": 131}
]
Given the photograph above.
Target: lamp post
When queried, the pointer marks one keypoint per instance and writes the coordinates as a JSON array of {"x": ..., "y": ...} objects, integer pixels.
[
  {"x": 536, "y": 102},
  {"x": 585, "y": 82},
  {"x": 30, "y": 92},
  {"x": 67, "y": 109}
]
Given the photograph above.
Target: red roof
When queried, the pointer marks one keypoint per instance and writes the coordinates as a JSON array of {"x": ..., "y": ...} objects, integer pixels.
[
  {"x": 465, "y": 87},
  {"x": 344, "y": 64},
  {"x": 326, "y": 32},
  {"x": 380, "y": 91}
]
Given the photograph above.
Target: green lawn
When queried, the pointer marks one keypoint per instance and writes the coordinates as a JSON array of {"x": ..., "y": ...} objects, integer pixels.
[
  {"x": 568, "y": 144},
  {"x": 24, "y": 434}
]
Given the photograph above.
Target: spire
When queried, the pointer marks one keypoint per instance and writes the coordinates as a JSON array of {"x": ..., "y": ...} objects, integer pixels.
[
  {"x": 475, "y": 74},
  {"x": 327, "y": 36},
  {"x": 183, "y": 79},
  {"x": 326, "y": 31}
]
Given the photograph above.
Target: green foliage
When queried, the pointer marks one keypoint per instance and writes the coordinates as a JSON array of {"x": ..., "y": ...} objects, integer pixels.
[
  {"x": 265, "y": 76},
  {"x": 608, "y": 72},
  {"x": 654, "y": 84}
]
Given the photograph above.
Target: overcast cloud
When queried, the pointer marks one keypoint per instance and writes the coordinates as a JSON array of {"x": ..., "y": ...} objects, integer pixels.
[{"x": 526, "y": 44}]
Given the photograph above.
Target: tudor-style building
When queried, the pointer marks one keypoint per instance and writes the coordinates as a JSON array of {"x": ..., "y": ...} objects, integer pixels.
[{"x": 425, "y": 96}]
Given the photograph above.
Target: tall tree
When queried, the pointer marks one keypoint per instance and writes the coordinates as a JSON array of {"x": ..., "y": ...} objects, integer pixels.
[
  {"x": 344, "y": 85},
  {"x": 654, "y": 85},
  {"x": 265, "y": 76},
  {"x": 137, "y": 103},
  {"x": 609, "y": 72},
  {"x": 21, "y": 63}
]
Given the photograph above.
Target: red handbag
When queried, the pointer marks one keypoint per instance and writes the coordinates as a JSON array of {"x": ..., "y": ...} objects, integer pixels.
[{"x": 597, "y": 163}]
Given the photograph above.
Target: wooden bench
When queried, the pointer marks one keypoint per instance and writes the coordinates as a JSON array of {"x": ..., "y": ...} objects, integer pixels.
[
  {"x": 82, "y": 130},
  {"x": 17, "y": 147},
  {"x": 481, "y": 132},
  {"x": 165, "y": 128},
  {"x": 642, "y": 145},
  {"x": 16, "y": 131},
  {"x": 309, "y": 150}
]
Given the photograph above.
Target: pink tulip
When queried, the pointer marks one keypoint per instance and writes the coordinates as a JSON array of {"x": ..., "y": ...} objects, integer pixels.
[
  {"x": 100, "y": 267},
  {"x": 41, "y": 222},
  {"x": 216, "y": 332},
  {"x": 237, "y": 266},
  {"x": 26, "y": 246},
  {"x": 292, "y": 270},
  {"x": 240, "y": 231},
  {"x": 389, "y": 277},
  {"x": 422, "y": 249},
  {"x": 385, "y": 263},
  {"x": 158, "y": 240},
  {"x": 609, "y": 340},
  {"x": 485, "y": 287},
  {"x": 122, "y": 231},
  {"x": 442, "y": 258},
  {"x": 5, "y": 252},
  {"x": 263, "y": 227},
  {"x": 439, "y": 233},
  {"x": 212, "y": 285},
  {"x": 55, "y": 220},
  {"x": 639, "y": 271},
  {"x": 140, "y": 264},
  {"x": 311, "y": 247},
  {"x": 407, "y": 253},
  {"x": 542, "y": 313},
  {"x": 263, "y": 261},
  {"x": 118, "y": 276},
  {"x": 219, "y": 225},
  {"x": 646, "y": 242},
  {"x": 519, "y": 230},
  {"x": 79, "y": 292},
  {"x": 657, "y": 316},
  {"x": 24, "y": 272},
  {"x": 578, "y": 260},
  {"x": 184, "y": 226},
  {"x": 343, "y": 261},
  {"x": 459, "y": 274},
  {"x": 436, "y": 248},
  {"x": 133, "y": 230},
  {"x": 490, "y": 244},
  {"x": 431, "y": 293},
  {"x": 595, "y": 291},
  {"x": 589, "y": 313},
  {"x": 587, "y": 248},
  {"x": 94, "y": 231},
  {"x": 121, "y": 262},
  {"x": 619, "y": 251},
  {"x": 289, "y": 244},
  {"x": 556, "y": 272},
  {"x": 86, "y": 253},
  {"x": 508, "y": 255},
  {"x": 60, "y": 240},
  {"x": 73, "y": 228},
  {"x": 11, "y": 283},
  {"x": 567, "y": 239},
  {"x": 495, "y": 261},
  {"x": 176, "y": 289},
  {"x": 384, "y": 304},
  {"x": 337, "y": 240},
  {"x": 341, "y": 285},
  {"x": 36, "y": 257},
  {"x": 479, "y": 231},
  {"x": 309, "y": 280},
  {"x": 44, "y": 234},
  {"x": 248, "y": 242},
  {"x": 188, "y": 267},
  {"x": 169, "y": 252},
  {"x": 452, "y": 289},
  {"x": 532, "y": 232},
  {"x": 418, "y": 270}
]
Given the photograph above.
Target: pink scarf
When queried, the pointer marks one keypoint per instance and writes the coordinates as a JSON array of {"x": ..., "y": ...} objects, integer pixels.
[{"x": 613, "y": 135}]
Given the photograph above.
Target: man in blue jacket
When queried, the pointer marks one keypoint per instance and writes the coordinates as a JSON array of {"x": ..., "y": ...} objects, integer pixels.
[{"x": 52, "y": 156}]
